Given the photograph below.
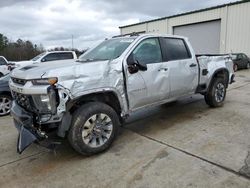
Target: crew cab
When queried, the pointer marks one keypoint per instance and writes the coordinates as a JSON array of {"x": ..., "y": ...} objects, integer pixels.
[
  {"x": 48, "y": 56},
  {"x": 3, "y": 66},
  {"x": 87, "y": 100}
]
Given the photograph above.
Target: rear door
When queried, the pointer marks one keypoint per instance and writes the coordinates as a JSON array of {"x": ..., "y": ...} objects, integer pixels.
[
  {"x": 152, "y": 85},
  {"x": 183, "y": 68}
]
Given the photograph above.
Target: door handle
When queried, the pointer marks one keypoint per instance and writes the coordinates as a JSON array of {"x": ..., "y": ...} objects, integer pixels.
[
  {"x": 193, "y": 65},
  {"x": 163, "y": 69}
]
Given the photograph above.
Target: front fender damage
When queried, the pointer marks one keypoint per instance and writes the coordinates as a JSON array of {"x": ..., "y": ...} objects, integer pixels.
[
  {"x": 24, "y": 123},
  {"x": 25, "y": 139}
]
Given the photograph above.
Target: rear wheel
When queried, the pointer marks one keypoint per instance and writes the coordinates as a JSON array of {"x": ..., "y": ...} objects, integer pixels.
[
  {"x": 94, "y": 128},
  {"x": 216, "y": 93},
  {"x": 5, "y": 105},
  {"x": 235, "y": 67}
]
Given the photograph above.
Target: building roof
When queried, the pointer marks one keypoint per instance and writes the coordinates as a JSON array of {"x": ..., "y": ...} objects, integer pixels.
[{"x": 190, "y": 12}]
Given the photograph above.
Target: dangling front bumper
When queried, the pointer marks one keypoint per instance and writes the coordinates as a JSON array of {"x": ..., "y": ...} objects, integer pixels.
[{"x": 23, "y": 121}]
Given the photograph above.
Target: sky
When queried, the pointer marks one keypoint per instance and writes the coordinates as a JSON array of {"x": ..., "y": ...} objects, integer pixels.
[{"x": 52, "y": 23}]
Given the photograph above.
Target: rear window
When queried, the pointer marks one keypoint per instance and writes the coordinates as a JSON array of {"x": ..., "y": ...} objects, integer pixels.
[{"x": 176, "y": 49}]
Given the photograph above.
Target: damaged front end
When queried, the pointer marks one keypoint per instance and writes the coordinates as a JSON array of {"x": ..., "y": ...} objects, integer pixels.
[
  {"x": 28, "y": 134},
  {"x": 37, "y": 115}
]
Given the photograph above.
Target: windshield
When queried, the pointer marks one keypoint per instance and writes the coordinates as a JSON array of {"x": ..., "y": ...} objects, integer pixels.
[
  {"x": 5, "y": 78},
  {"x": 37, "y": 57},
  {"x": 107, "y": 50}
]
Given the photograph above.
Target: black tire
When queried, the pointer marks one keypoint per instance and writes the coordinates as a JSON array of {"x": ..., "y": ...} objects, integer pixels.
[
  {"x": 80, "y": 118},
  {"x": 206, "y": 99},
  {"x": 216, "y": 93},
  {"x": 5, "y": 105}
]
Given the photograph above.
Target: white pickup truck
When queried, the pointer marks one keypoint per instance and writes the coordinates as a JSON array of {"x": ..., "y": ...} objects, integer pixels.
[
  {"x": 88, "y": 99},
  {"x": 57, "y": 56}
]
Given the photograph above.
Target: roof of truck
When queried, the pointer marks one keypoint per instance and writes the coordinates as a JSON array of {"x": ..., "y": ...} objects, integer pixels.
[
  {"x": 135, "y": 35},
  {"x": 59, "y": 51}
]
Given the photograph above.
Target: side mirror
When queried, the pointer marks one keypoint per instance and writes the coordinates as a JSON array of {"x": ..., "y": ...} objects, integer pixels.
[
  {"x": 134, "y": 65},
  {"x": 43, "y": 60}
]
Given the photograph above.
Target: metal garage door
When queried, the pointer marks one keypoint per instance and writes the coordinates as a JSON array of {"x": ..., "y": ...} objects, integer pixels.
[{"x": 204, "y": 37}]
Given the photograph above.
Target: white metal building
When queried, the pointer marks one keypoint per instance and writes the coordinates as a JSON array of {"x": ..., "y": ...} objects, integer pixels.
[{"x": 220, "y": 29}]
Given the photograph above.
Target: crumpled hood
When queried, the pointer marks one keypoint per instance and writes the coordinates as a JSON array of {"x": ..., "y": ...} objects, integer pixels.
[
  {"x": 67, "y": 71},
  {"x": 76, "y": 76}
]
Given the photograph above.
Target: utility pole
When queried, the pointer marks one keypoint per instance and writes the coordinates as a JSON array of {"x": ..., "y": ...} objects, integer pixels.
[{"x": 72, "y": 40}]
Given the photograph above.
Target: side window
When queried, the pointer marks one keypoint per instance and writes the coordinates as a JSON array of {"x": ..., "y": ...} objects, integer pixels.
[
  {"x": 2, "y": 61},
  {"x": 176, "y": 49},
  {"x": 51, "y": 57},
  {"x": 65, "y": 55},
  {"x": 148, "y": 51}
]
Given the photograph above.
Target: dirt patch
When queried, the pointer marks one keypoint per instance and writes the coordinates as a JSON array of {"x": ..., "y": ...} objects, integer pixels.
[
  {"x": 139, "y": 175},
  {"x": 160, "y": 155}
]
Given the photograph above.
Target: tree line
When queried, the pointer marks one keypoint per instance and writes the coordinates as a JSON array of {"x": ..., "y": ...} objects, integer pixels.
[
  {"x": 18, "y": 50},
  {"x": 24, "y": 49}
]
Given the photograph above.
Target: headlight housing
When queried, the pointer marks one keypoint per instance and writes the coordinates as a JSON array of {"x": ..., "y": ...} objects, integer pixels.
[
  {"x": 42, "y": 103},
  {"x": 45, "y": 81},
  {"x": 46, "y": 103}
]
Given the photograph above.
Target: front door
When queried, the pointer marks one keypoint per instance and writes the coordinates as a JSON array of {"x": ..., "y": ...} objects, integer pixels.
[{"x": 152, "y": 85}]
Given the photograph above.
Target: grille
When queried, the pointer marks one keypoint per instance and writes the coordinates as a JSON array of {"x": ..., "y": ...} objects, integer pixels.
[
  {"x": 19, "y": 81},
  {"x": 23, "y": 100}
]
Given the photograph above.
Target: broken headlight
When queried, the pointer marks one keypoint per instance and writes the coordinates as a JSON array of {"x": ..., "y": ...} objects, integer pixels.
[
  {"x": 46, "y": 103},
  {"x": 42, "y": 103}
]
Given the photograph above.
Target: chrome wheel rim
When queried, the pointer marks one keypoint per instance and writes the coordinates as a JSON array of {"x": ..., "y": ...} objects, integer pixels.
[
  {"x": 5, "y": 105},
  {"x": 220, "y": 92},
  {"x": 97, "y": 130},
  {"x": 248, "y": 66}
]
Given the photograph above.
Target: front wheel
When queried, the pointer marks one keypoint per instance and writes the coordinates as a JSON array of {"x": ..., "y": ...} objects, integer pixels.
[
  {"x": 94, "y": 128},
  {"x": 216, "y": 94}
]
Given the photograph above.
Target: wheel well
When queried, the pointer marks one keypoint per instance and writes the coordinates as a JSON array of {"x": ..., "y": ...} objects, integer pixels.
[
  {"x": 223, "y": 73},
  {"x": 108, "y": 98}
]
